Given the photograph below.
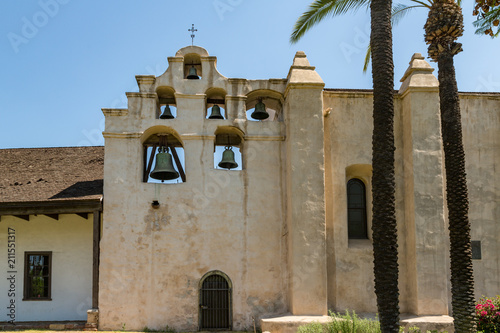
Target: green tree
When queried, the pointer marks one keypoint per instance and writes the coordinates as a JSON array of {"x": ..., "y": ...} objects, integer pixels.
[
  {"x": 444, "y": 25},
  {"x": 384, "y": 225},
  {"x": 488, "y": 17}
]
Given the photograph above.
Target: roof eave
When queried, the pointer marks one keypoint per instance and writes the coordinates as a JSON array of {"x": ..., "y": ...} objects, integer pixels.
[{"x": 51, "y": 207}]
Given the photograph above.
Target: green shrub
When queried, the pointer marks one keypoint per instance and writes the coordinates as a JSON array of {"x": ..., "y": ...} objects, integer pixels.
[
  {"x": 351, "y": 323},
  {"x": 348, "y": 323},
  {"x": 314, "y": 327}
]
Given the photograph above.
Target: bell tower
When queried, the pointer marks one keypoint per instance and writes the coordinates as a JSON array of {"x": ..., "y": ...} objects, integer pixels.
[{"x": 195, "y": 177}]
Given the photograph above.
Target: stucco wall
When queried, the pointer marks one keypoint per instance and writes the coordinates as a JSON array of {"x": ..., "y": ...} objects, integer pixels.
[
  {"x": 420, "y": 196},
  {"x": 348, "y": 151},
  {"x": 152, "y": 260},
  {"x": 70, "y": 240},
  {"x": 481, "y": 124}
]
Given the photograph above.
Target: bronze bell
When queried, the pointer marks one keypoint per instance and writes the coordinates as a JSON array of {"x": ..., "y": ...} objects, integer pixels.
[
  {"x": 193, "y": 75},
  {"x": 260, "y": 112},
  {"x": 228, "y": 161},
  {"x": 164, "y": 168},
  {"x": 167, "y": 114},
  {"x": 215, "y": 113}
]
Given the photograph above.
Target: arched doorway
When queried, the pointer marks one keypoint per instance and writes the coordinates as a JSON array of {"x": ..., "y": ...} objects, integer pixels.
[{"x": 215, "y": 302}]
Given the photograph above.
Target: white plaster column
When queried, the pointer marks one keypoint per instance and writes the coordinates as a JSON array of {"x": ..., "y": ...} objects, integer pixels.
[
  {"x": 305, "y": 169},
  {"x": 426, "y": 237}
]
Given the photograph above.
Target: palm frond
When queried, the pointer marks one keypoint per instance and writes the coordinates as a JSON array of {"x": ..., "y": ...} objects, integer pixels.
[
  {"x": 318, "y": 10},
  {"x": 423, "y": 3},
  {"x": 368, "y": 56},
  {"x": 400, "y": 10},
  {"x": 485, "y": 23}
]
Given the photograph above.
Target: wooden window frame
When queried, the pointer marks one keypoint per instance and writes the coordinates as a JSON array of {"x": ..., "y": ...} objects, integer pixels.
[
  {"x": 365, "y": 215},
  {"x": 27, "y": 280}
]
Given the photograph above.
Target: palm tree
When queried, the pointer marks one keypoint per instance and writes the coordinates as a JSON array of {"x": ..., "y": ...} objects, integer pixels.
[
  {"x": 444, "y": 25},
  {"x": 384, "y": 225},
  {"x": 488, "y": 17}
]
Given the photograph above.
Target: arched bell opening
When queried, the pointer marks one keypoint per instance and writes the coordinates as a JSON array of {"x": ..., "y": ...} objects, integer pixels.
[
  {"x": 227, "y": 148},
  {"x": 216, "y": 104},
  {"x": 192, "y": 67},
  {"x": 215, "y": 302},
  {"x": 163, "y": 159},
  {"x": 264, "y": 105},
  {"x": 167, "y": 105}
]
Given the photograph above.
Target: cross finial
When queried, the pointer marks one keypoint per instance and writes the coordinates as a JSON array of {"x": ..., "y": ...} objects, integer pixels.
[{"x": 192, "y": 33}]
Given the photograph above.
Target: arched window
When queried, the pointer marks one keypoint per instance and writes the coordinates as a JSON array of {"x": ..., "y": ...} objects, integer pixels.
[
  {"x": 215, "y": 302},
  {"x": 227, "y": 148},
  {"x": 356, "y": 209},
  {"x": 264, "y": 105},
  {"x": 163, "y": 156},
  {"x": 216, "y": 104}
]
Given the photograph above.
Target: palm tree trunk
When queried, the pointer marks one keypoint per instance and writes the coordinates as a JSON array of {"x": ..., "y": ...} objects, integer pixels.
[
  {"x": 462, "y": 280},
  {"x": 385, "y": 247}
]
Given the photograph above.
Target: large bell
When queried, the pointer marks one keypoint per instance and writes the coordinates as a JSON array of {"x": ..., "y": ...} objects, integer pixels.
[
  {"x": 260, "y": 112},
  {"x": 215, "y": 113},
  {"x": 164, "y": 168},
  {"x": 193, "y": 75},
  {"x": 228, "y": 161},
  {"x": 167, "y": 114}
]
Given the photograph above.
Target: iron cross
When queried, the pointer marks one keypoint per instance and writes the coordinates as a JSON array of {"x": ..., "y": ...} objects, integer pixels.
[{"x": 192, "y": 34}]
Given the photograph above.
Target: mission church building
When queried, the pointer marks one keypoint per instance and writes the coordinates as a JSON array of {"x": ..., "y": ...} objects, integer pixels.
[{"x": 219, "y": 203}]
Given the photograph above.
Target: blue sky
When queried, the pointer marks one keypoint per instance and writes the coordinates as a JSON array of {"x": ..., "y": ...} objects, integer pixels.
[{"x": 64, "y": 60}]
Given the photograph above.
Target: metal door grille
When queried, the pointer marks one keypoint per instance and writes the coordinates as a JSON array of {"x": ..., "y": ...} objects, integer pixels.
[{"x": 215, "y": 304}]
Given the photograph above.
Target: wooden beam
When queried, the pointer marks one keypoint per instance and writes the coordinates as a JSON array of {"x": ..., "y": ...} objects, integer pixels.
[
  {"x": 53, "y": 216},
  {"x": 216, "y": 101},
  {"x": 96, "y": 236},
  {"x": 150, "y": 163},
  {"x": 144, "y": 159},
  {"x": 178, "y": 163},
  {"x": 50, "y": 207},
  {"x": 83, "y": 215},
  {"x": 169, "y": 101},
  {"x": 24, "y": 217}
]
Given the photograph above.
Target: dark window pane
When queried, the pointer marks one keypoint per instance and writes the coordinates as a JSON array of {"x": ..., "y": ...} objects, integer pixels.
[{"x": 356, "y": 209}]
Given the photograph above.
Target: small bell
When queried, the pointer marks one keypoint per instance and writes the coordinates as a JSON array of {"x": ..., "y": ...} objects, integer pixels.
[
  {"x": 193, "y": 75},
  {"x": 228, "y": 161},
  {"x": 167, "y": 114},
  {"x": 164, "y": 168},
  {"x": 260, "y": 112},
  {"x": 215, "y": 113}
]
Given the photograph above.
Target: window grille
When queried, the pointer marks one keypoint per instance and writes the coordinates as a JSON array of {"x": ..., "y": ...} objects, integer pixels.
[{"x": 215, "y": 303}]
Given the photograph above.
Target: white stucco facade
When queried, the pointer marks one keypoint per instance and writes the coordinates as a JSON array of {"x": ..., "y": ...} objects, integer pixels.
[{"x": 69, "y": 239}]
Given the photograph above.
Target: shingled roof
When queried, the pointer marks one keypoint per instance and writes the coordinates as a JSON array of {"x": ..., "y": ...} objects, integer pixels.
[{"x": 51, "y": 174}]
